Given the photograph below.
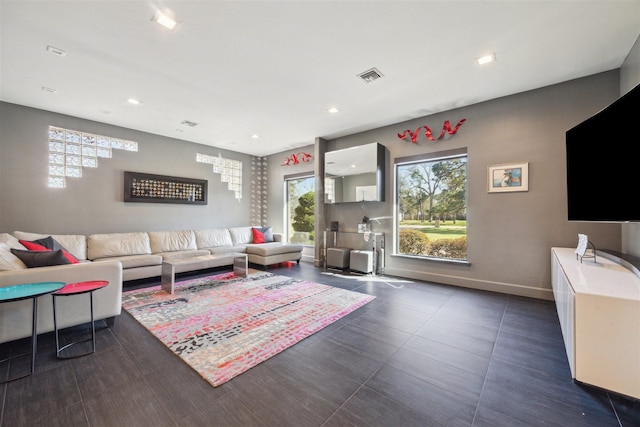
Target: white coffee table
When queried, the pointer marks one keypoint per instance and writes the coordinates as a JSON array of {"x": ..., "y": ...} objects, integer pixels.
[{"x": 171, "y": 267}]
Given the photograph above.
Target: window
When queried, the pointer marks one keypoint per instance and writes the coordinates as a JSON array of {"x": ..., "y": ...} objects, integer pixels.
[
  {"x": 432, "y": 205},
  {"x": 300, "y": 197},
  {"x": 230, "y": 171},
  {"x": 72, "y": 150}
]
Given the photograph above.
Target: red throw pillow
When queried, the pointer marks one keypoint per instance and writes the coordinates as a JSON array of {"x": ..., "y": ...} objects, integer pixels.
[
  {"x": 258, "y": 236},
  {"x": 33, "y": 246},
  {"x": 49, "y": 245}
]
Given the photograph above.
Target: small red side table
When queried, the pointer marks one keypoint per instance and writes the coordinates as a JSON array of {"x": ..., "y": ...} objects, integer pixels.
[{"x": 77, "y": 289}]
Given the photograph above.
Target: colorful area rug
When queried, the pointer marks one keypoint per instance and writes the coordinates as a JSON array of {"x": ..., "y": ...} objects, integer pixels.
[{"x": 223, "y": 325}]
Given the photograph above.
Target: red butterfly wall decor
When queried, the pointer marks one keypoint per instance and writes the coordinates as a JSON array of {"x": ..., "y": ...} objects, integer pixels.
[
  {"x": 446, "y": 128},
  {"x": 295, "y": 159}
]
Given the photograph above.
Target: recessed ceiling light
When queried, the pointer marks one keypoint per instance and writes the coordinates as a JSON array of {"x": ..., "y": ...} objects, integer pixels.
[
  {"x": 188, "y": 123},
  {"x": 255, "y": 136},
  {"x": 106, "y": 112},
  {"x": 134, "y": 101},
  {"x": 166, "y": 18},
  {"x": 48, "y": 89},
  {"x": 333, "y": 110},
  {"x": 486, "y": 59},
  {"x": 56, "y": 51}
]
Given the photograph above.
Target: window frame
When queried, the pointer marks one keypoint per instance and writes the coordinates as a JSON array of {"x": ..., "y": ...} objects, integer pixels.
[
  {"x": 286, "y": 179},
  {"x": 423, "y": 158}
]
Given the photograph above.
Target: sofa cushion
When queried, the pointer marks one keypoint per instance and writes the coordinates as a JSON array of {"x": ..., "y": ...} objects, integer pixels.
[
  {"x": 273, "y": 248},
  {"x": 117, "y": 244},
  {"x": 241, "y": 235},
  {"x": 133, "y": 261},
  {"x": 11, "y": 241},
  {"x": 211, "y": 238},
  {"x": 48, "y": 243},
  {"x": 227, "y": 249},
  {"x": 8, "y": 261},
  {"x": 170, "y": 241},
  {"x": 46, "y": 258},
  {"x": 183, "y": 254},
  {"x": 76, "y": 244}
]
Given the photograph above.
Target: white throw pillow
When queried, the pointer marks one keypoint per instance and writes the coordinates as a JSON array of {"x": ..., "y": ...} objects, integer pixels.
[
  {"x": 171, "y": 241},
  {"x": 241, "y": 235},
  {"x": 213, "y": 237}
]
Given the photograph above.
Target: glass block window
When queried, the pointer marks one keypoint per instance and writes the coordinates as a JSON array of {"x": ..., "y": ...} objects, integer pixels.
[
  {"x": 230, "y": 171},
  {"x": 71, "y": 150},
  {"x": 259, "y": 190},
  {"x": 330, "y": 190}
]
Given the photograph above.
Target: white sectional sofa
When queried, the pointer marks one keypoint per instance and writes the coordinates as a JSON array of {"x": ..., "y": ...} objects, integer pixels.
[
  {"x": 118, "y": 257},
  {"x": 141, "y": 253},
  {"x": 15, "y": 317}
]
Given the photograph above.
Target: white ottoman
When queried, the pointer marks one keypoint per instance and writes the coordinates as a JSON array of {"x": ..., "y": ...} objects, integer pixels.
[
  {"x": 338, "y": 257},
  {"x": 361, "y": 261}
]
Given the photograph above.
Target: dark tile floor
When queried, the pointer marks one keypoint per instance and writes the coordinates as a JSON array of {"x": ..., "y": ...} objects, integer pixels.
[{"x": 420, "y": 354}]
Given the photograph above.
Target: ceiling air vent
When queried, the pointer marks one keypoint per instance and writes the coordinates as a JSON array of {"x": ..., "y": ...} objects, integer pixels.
[
  {"x": 370, "y": 75},
  {"x": 54, "y": 50}
]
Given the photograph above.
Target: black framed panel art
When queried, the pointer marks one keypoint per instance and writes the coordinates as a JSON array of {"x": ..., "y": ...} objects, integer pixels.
[{"x": 148, "y": 188}]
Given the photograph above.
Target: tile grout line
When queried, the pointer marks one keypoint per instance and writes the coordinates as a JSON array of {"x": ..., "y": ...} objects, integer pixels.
[
  {"x": 615, "y": 412},
  {"x": 4, "y": 399},
  {"x": 504, "y": 311},
  {"x": 364, "y": 383}
]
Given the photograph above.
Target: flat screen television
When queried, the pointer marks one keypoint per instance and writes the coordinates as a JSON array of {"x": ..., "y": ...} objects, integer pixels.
[{"x": 603, "y": 167}]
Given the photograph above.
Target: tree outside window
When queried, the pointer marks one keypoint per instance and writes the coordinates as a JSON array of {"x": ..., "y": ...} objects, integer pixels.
[
  {"x": 432, "y": 209},
  {"x": 301, "y": 210}
]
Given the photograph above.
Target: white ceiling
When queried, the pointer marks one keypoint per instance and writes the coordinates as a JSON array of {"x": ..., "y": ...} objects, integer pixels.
[{"x": 273, "y": 68}]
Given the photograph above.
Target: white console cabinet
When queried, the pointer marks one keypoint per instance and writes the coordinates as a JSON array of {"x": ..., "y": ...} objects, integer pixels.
[{"x": 598, "y": 304}]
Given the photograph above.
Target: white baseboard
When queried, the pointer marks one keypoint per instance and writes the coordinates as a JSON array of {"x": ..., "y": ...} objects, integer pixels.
[
  {"x": 465, "y": 282},
  {"x": 307, "y": 258}
]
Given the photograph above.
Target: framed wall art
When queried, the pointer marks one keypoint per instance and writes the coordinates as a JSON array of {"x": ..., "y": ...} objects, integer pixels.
[
  {"x": 148, "y": 188},
  {"x": 508, "y": 177}
]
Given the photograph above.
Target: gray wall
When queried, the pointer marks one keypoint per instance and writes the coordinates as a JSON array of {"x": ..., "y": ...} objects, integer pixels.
[
  {"x": 277, "y": 172},
  {"x": 509, "y": 234},
  {"x": 94, "y": 203}
]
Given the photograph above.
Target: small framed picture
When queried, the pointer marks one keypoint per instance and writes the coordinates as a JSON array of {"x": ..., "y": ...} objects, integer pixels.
[{"x": 508, "y": 177}]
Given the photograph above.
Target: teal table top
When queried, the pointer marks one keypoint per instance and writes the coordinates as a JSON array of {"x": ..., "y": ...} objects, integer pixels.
[{"x": 28, "y": 290}]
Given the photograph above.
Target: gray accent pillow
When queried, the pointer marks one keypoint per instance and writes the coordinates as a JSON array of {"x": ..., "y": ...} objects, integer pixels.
[
  {"x": 268, "y": 234},
  {"x": 51, "y": 243},
  {"x": 40, "y": 258}
]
